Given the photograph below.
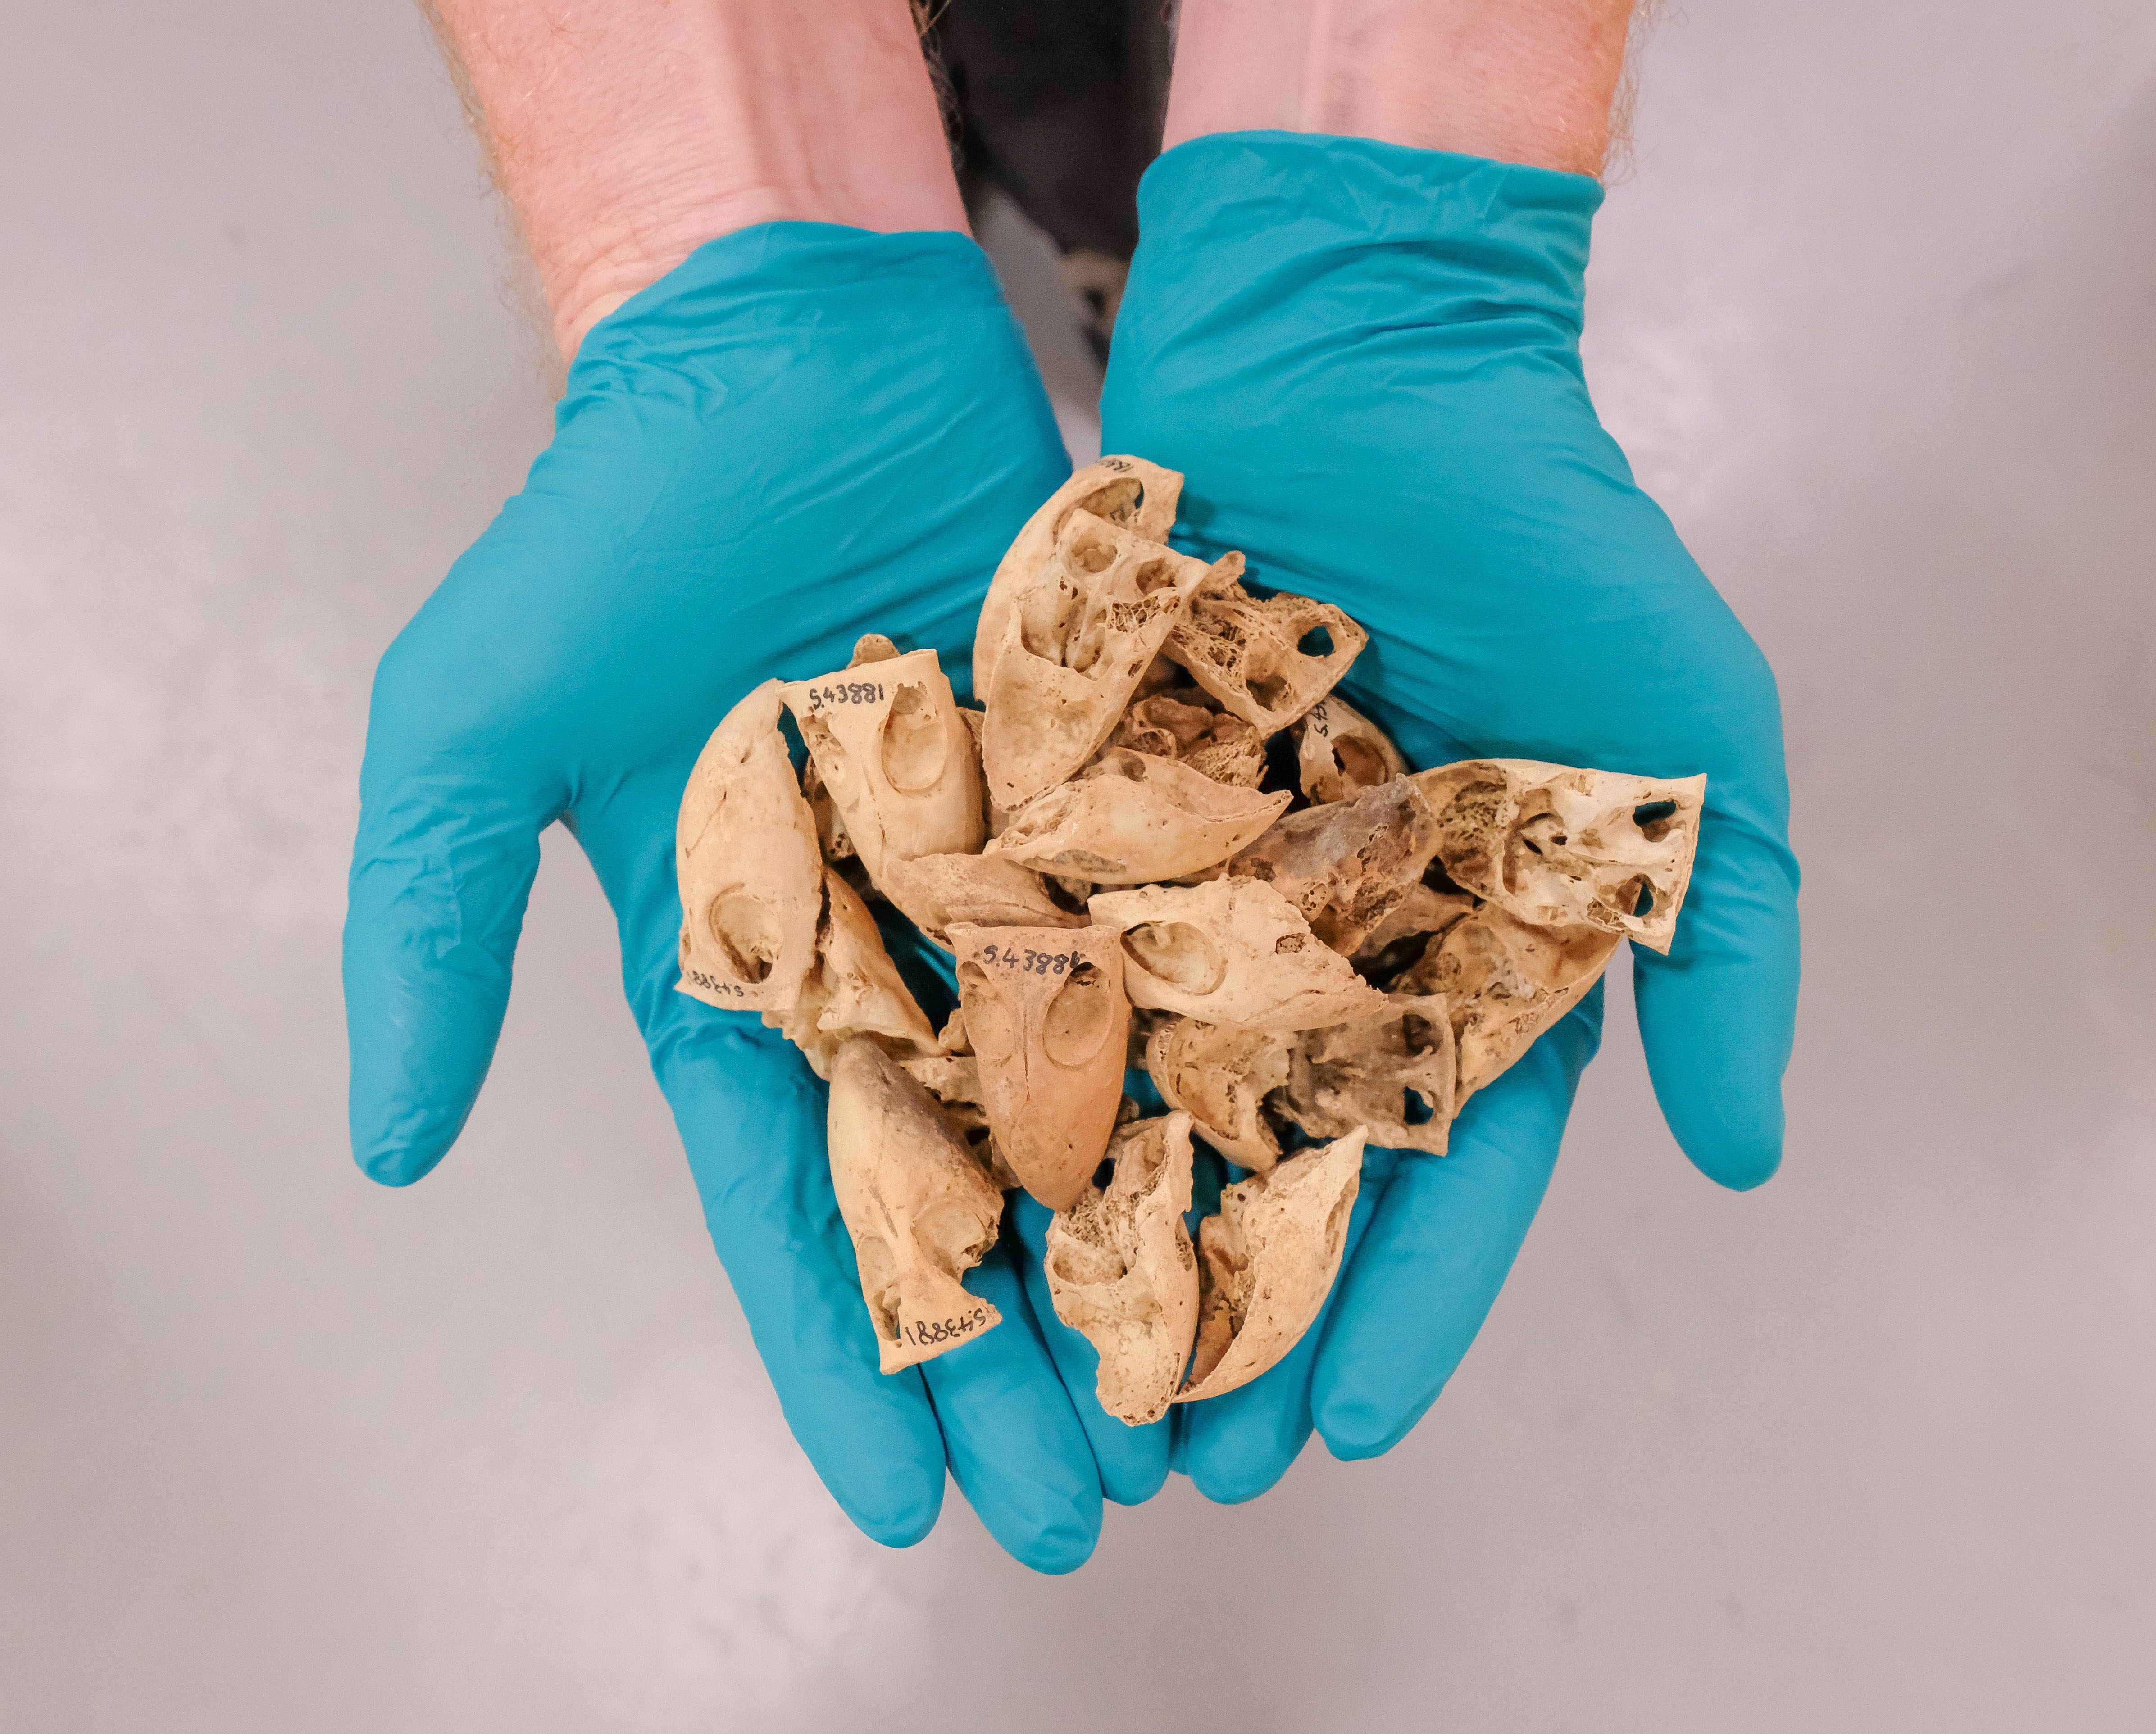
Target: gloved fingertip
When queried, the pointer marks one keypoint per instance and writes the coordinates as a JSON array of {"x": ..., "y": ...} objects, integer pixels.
[
  {"x": 1127, "y": 1482},
  {"x": 1738, "y": 1156},
  {"x": 1057, "y": 1551},
  {"x": 1236, "y": 1480},
  {"x": 904, "y": 1523},
  {"x": 1355, "y": 1430}
]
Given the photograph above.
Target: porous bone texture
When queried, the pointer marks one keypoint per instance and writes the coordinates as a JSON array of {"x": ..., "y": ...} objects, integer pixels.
[
  {"x": 1391, "y": 1075},
  {"x": 1121, "y": 1270},
  {"x": 1187, "y": 724},
  {"x": 1129, "y": 817},
  {"x": 1248, "y": 652},
  {"x": 1348, "y": 865}
]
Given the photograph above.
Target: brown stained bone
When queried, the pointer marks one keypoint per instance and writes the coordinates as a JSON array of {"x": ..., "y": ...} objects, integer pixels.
[
  {"x": 1269, "y": 1258},
  {"x": 954, "y": 1080},
  {"x": 897, "y": 758},
  {"x": 1347, "y": 864},
  {"x": 1339, "y": 751},
  {"x": 1246, "y": 652},
  {"x": 1128, "y": 819},
  {"x": 1186, "y": 725},
  {"x": 920, "y": 1209},
  {"x": 745, "y": 859},
  {"x": 1046, "y": 1015},
  {"x": 854, "y": 989},
  {"x": 1221, "y": 1078},
  {"x": 1231, "y": 951},
  {"x": 1506, "y": 982},
  {"x": 932, "y": 891},
  {"x": 1360, "y": 1074},
  {"x": 1138, "y": 496},
  {"x": 1425, "y": 909},
  {"x": 1560, "y": 846},
  {"x": 1121, "y": 1270},
  {"x": 1080, "y": 633}
]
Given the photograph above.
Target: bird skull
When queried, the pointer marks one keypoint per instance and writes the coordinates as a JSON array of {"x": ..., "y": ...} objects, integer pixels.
[
  {"x": 1129, "y": 817},
  {"x": 854, "y": 989},
  {"x": 1250, "y": 653},
  {"x": 933, "y": 891},
  {"x": 1347, "y": 864},
  {"x": 1221, "y": 1077},
  {"x": 1045, "y": 1014},
  {"x": 1184, "y": 724},
  {"x": 1373, "y": 1074},
  {"x": 1339, "y": 751},
  {"x": 919, "y": 1207},
  {"x": 1121, "y": 1270}
]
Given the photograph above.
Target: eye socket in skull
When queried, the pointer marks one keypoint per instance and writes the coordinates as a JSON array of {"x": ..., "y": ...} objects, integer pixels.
[
  {"x": 1080, "y": 1017},
  {"x": 1178, "y": 953},
  {"x": 916, "y": 743}
]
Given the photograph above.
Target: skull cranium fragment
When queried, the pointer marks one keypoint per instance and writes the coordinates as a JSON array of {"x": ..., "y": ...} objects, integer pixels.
[
  {"x": 954, "y": 1080},
  {"x": 1139, "y": 496},
  {"x": 1377, "y": 1073},
  {"x": 746, "y": 858},
  {"x": 1267, "y": 660},
  {"x": 1184, "y": 724},
  {"x": 854, "y": 989},
  {"x": 1222, "y": 1078},
  {"x": 919, "y": 1207},
  {"x": 1048, "y": 1021},
  {"x": 897, "y": 759},
  {"x": 1347, "y": 864},
  {"x": 932, "y": 891},
  {"x": 1506, "y": 982},
  {"x": 1231, "y": 951},
  {"x": 1339, "y": 751},
  {"x": 1560, "y": 846},
  {"x": 1080, "y": 633},
  {"x": 1129, "y": 817},
  {"x": 1121, "y": 1270},
  {"x": 1269, "y": 1258}
]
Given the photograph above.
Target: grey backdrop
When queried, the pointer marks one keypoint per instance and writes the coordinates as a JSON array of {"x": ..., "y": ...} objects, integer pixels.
[{"x": 1871, "y": 1449}]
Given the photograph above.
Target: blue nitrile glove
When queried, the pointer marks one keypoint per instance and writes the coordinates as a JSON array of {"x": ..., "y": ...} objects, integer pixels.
[
  {"x": 802, "y": 433},
  {"x": 1365, "y": 359}
]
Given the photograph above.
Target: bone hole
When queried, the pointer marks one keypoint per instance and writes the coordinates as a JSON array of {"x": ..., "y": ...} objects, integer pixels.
[
  {"x": 1153, "y": 575},
  {"x": 1416, "y": 1109},
  {"x": 1268, "y": 686},
  {"x": 1643, "y": 895},
  {"x": 1177, "y": 953},
  {"x": 1417, "y": 1035},
  {"x": 994, "y": 1035},
  {"x": 747, "y": 935},
  {"x": 834, "y": 763},
  {"x": 1545, "y": 831},
  {"x": 1317, "y": 642},
  {"x": 1118, "y": 502},
  {"x": 915, "y": 743},
  {"x": 1092, "y": 554},
  {"x": 1653, "y": 819},
  {"x": 1079, "y": 1018},
  {"x": 1362, "y": 762},
  {"x": 1287, "y": 942}
]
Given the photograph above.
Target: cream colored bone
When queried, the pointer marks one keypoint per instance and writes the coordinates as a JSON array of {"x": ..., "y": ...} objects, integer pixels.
[
  {"x": 1506, "y": 982},
  {"x": 1360, "y": 1075},
  {"x": 919, "y": 1207},
  {"x": 1129, "y": 817},
  {"x": 1233, "y": 951},
  {"x": 1078, "y": 634},
  {"x": 1121, "y": 1270},
  {"x": 897, "y": 756},
  {"x": 1424, "y": 910},
  {"x": 1339, "y": 751},
  {"x": 1560, "y": 846},
  {"x": 1269, "y": 1258},
  {"x": 1222, "y": 1077},
  {"x": 854, "y": 989},
  {"x": 1186, "y": 725},
  {"x": 1127, "y": 491},
  {"x": 1047, "y": 1018},
  {"x": 1347, "y": 864},
  {"x": 746, "y": 860},
  {"x": 932, "y": 891},
  {"x": 1247, "y": 652},
  {"x": 954, "y": 1080}
]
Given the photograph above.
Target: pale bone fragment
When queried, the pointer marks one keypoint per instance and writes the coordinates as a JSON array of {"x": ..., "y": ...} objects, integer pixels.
[
  {"x": 1339, "y": 751},
  {"x": 1047, "y": 1018},
  {"x": 932, "y": 891},
  {"x": 1121, "y": 1270},
  {"x": 830, "y": 828},
  {"x": 1078, "y": 634},
  {"x": 1186, "y": 725},
  {"x": 1269, "y": 1258},
  {"x": 897, "y": 757},
  {"x": 1560, "y": 846},
  {"x": 1347, "y": 864},
  {"x": 1363, "y": 1074},
  {"x": 1506, "y": 982},
  {"x": 920, "y": 1209},
  {"x": 1129, "y": 819},
  {"x": 1425, "y": 909},
  {"x": 1127, "y": 491},
  {"x": 954, "y": 1080},
  {"x": 747, "y": 866},
  {"x": 872, "y": 647},
  {"x": 1221, "y": 1078},
  {"x": 1231, "y": 951},
  {"x": 854, "y": 989},
  {"x": 1247, "y": 652}
]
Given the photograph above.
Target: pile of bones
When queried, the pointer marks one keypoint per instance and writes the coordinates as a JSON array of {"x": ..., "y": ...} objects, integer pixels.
[{"x": 1101, "y": 852}]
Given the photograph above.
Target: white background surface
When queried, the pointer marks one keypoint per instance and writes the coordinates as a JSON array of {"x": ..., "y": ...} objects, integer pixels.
[{"x": 1872, "y": 1448}]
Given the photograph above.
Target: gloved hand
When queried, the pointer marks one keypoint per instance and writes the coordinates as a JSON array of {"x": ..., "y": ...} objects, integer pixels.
[
  {"x": 1365, "y": 359},
  {"x": 802, "y": 433}
]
